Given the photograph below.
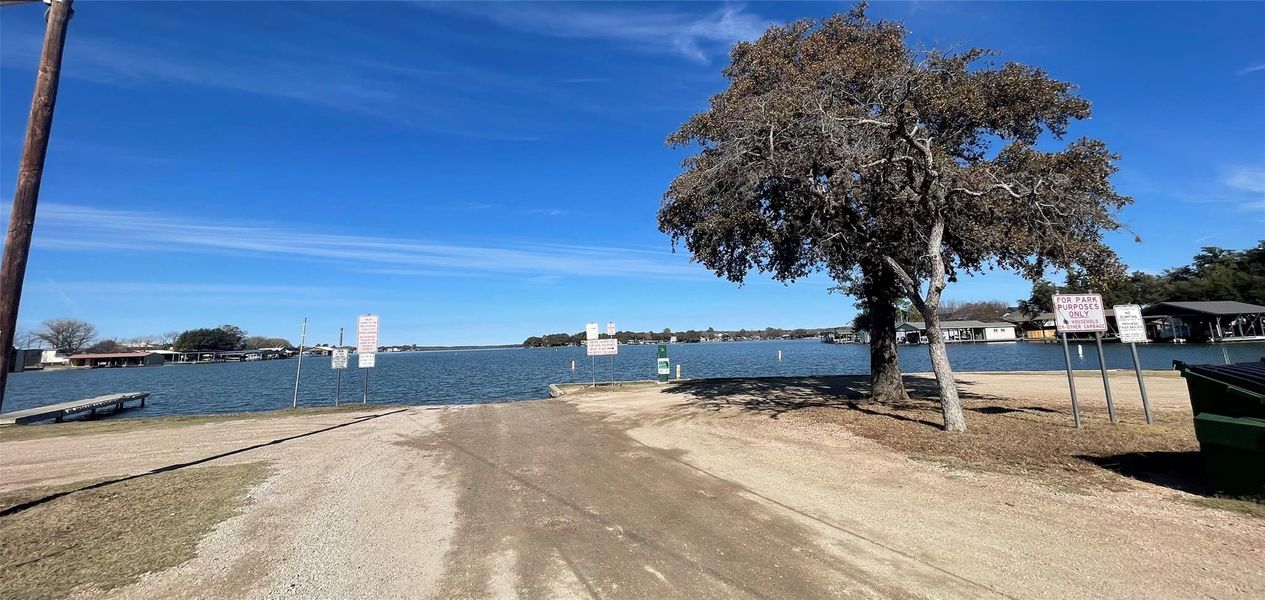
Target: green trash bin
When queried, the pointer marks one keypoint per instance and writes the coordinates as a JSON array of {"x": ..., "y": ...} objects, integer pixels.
[{"x": 1229, "y": 406}]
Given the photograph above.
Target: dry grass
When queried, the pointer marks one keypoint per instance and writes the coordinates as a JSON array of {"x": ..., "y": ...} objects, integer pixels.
[
  {"x": 1020, "y": 438},
  {"x": 107, "y": 533},
  {"x": 1252, "y": 508},
  {"x": 1032, "y": 436},
  {"x": 15, "y": 433},
  {"x": 1036, "y": 441}
]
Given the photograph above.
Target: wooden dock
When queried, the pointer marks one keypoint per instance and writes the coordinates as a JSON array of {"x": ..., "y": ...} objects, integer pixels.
[{"x": 61, "y": 410}]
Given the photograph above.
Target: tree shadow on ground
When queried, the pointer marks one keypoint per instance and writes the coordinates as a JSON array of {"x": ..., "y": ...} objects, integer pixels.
[
  {"x": 1178, "y": 470},
  {"x": 777, "y": 396}
]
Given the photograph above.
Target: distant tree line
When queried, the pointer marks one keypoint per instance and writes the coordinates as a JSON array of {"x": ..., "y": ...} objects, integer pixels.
[
  {"x": 1214, "y": 274},
  {"x": 73, "y": 336},
  {"x": 225, "y": 337},
  {"x": 690, "y": 336},
  {"x": 950, "y": 310}
]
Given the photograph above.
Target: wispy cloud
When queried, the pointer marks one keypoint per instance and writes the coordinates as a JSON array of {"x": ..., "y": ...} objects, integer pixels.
[
  {"x": 655, "y": 29},
  {"x": 548, "y": 212},
  {"x": 74, "y": 227},
  {"x": 192, "y": 293},
  {"x": 1252, "y": 69},
  {"x": 1250, "y": 180},
  {"x": 349, "y": 85},
  {"x": 420, "y": 99},
  {"x": 476, "y": 205}
]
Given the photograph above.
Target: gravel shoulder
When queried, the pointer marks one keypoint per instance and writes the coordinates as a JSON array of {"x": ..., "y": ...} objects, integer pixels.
[{"x": 668, "y": 492}]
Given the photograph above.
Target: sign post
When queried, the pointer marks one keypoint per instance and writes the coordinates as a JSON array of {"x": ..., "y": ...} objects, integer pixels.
[
  {"x": 366, "y": 348},
  {"x": 590, "y": 335},
  {"x": 299, "y": 369},
  {"x": 338, "y": 362},
  {"x": 1077, "y": 313},
  {"x": 664, "y": 365},
  {"x": 1133, "y": 330},
  {"x": 610, "y": 332},
  {"x": 607, "y": 347}
]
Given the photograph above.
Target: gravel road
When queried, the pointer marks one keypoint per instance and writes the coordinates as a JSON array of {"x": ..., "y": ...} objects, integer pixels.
[{"x": 631, "y": 494}]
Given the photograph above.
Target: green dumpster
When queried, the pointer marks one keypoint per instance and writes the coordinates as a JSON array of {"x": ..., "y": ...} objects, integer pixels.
[{"x": 1229, "y": 406}]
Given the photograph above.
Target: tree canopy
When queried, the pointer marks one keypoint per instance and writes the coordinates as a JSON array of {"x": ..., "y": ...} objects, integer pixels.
[
  {"x": 836, "y": 146},
  {"x": 106, "y": 347},
  {"x": 67, "y": 335},
  {"x": 1213, "y": 274},
  {"x": 255, "y": 342},
  {"x": 207, "y": 339}
]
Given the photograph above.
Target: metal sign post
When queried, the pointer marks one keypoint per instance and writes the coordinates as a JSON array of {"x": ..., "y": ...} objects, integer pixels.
[
  {"x": 1071, "y": 383},
  {"x": 610, "y": 332},
  {"x": 1132, "y": 331},
  {"x": 590, "y": 336},
  {"x": 338, "y": 361},
  {"x": 298, "y": 371},
  {"x": 1106, "y": 383},
  {"x": 366, "y": 348},
  {"x": 607, "y": 347},
  {"x": 1075, "y": 313}
]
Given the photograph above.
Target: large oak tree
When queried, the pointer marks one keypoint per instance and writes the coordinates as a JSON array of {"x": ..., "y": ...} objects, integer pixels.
[
  {"x": 838, "y": 147},
  {"x": 67, "y": 335}
]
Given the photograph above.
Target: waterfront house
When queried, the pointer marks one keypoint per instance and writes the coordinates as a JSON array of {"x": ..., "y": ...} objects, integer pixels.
[
  {"x": 958, "y": 331},
  {"x": 1043, "y": 327},
  {"x": 53, "y": 357},
  {"x": 1209, "y": 321},
  {"x": 845, "y": 335},
  {"x": 116, "y": 359}
]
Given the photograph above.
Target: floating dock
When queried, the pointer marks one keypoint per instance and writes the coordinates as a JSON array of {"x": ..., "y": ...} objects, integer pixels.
[{"x": 64, "y": 409}]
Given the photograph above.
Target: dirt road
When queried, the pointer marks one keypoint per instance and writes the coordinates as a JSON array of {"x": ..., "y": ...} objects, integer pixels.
[{"x": 637, "y": 494}]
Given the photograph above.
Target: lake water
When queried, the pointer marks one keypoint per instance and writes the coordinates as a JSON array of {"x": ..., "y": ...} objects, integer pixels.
[{"x": 520, "y": 374}]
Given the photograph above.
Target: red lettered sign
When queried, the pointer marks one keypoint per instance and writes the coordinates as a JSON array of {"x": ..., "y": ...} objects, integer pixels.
[{"x": 1075, "y": 313}]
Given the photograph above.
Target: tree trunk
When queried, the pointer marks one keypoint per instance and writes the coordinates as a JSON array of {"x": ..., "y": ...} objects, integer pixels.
[
  {"x": 886, "y": 384},
  {"x": 950, "y": 404},
  {"x": 881, "y": 294}
]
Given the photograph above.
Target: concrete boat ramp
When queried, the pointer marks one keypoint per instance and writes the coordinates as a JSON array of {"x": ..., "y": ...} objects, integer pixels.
[{"x": 61, "y": 410}]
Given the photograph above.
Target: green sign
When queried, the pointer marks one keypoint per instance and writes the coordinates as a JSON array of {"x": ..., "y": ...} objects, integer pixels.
[{"x": 664, "y": 366}]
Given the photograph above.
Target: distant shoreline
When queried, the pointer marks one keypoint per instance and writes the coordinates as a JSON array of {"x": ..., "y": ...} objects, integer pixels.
[{"x": 453, "y": 348}]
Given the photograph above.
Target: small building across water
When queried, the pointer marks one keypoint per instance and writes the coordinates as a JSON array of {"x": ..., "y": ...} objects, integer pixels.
[
  {"x": 116, "y": 359},
  {"x": 959, "y": 331}
]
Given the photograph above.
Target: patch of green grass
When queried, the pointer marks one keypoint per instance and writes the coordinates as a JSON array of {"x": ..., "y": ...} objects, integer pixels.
[
  {"x": 105, "y": 535},
  {"x": 15, "y": 433},
  {"x": 1248, "y": 506}
]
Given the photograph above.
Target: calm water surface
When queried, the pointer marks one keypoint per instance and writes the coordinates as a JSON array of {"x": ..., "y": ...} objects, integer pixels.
[{"x": 520, "y": 374}]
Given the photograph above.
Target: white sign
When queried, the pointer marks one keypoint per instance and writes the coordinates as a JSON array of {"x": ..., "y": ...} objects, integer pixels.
[
  {"x": 1078, "y": 313},
  {"x": 610, "y": 328},
  {"x": 367, "y": 334},
  {"x": 664, "y": 367},
  {"x": 367, "y": 360},
  {"x": 590, "y": 331},
  {"x": 603, "y": 347},
  {"x": 1129, "y": 321},
  {"x": 338, "y": 359}
]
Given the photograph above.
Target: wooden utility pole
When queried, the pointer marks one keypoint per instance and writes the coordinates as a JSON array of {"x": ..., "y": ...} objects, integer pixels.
[{"x": 17, "y": 244}]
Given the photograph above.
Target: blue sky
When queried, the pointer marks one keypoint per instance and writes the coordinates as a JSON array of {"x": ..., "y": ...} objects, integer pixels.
[{"x": 478, "y": 173}]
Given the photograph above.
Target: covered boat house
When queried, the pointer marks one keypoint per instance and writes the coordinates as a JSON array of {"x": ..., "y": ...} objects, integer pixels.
[
  {"x": 1211, "y": 321},
  {"x": 116, "y": 359}
]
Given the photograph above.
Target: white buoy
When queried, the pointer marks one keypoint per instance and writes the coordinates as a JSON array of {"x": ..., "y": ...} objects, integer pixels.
[
  {"x": 573, "y": 365},
  {"x": 678, "y": 370},
  {"x": 1080, "y": 351},
  {"x": 779, "y": 356}
]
